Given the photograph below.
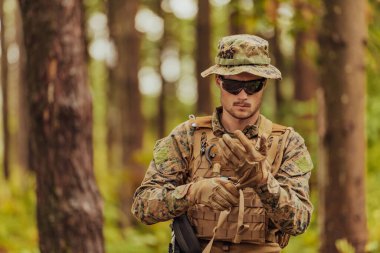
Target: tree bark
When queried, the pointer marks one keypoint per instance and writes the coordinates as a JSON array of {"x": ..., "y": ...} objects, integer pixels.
[
  {"x": 305, "y": 74},
  {"x": 343, "y": 77},
  {"x": 69, "y": 206},
  {"x": 236, "y": 26},
  {"x": 203, "y": 57},
  {"x": 124, "y": 76},
  {"x": 23, "y": 129},
  {"x": 4, "y": 92},
  {"x": 161, "y": 108},
  {"x": 272, "y": 10},
  {"x": 125, "y": 98}
]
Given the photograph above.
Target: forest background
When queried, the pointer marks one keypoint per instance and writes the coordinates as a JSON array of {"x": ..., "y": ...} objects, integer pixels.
[{"x": 143, "y": 60}]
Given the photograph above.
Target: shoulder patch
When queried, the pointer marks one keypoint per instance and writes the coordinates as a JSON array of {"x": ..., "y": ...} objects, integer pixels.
[
  {"x": 161, "y": 151},
  {"x": 304, "y": 163}
]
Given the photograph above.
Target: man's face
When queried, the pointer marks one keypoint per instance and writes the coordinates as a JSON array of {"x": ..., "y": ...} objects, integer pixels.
[{"x": 241, "y": 106}]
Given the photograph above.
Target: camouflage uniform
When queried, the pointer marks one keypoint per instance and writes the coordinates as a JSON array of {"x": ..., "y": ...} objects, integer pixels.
[
  {"x": 285, "y": 196},
  {"x": 161, "y": 195}
]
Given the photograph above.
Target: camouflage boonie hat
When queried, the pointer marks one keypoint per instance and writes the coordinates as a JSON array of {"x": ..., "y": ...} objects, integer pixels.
[{"x": 243, "y": 53}]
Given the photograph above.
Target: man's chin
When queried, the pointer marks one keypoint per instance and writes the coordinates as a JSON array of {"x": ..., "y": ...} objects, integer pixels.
[{"x": 242, "y": 115}]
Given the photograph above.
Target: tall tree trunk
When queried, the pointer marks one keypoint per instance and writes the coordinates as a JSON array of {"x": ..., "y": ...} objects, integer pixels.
[
  {"x": 69, "y": 206},
  {"x": 236, "y": 26},
  {"x": 272, "y": 10},
  {"x": 23, "y": 129},
  {"x": 116, "y": 77},
  {"x": 342, "y": 42},
  {"x": 125, "y": 90},
  {"x": 123, "y": 77},
  {"x": 305, "y": 75},
  {"x": 4, "y": 92},
  {"x": 161, "y": 115},
  {"x": 203, "y": 57},
  {"x": 131, "y": 104}
]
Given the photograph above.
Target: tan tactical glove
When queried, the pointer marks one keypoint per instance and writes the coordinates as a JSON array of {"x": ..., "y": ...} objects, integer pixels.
[
  {"x": 249, "y": 164},
  {"x": 217, "y": 193}
]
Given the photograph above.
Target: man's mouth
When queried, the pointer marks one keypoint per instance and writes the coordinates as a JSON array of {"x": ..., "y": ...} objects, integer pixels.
[{"x": 242, "y": 104}]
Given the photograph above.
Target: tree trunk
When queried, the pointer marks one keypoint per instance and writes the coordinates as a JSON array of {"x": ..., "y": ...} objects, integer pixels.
[
  {"x": 272, "y": 10},
  {"x": 235, "y": 19},
  {"x": 342, "y": 43},
  {"x": 305, "y": 75},
  {"x": 69, "y": 206},
  {"x": 123, "y": 77},
  {"x": 23, "y": 118},
  {"x": 4, "y": 92},
  {"x": 116, "y": 76},
  {"x": 127, "y": 98},
  {"x": 161, "y": 114},
  {"x": 132, "y": 136},
  {"x": 203, "y": 57}
]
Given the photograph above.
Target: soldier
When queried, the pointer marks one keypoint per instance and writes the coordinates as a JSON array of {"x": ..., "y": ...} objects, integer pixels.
[{"x": 241, "y": 180}]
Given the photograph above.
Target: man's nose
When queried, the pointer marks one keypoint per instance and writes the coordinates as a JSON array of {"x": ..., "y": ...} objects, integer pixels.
[{"x": 242, "y": 94}]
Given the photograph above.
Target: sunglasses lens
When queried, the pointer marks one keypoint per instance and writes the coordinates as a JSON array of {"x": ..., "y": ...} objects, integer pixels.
[
  {"x": 254, "y": 86},
  {"x": 250, "y": 87},
  {"x": 232, "y": 86}
]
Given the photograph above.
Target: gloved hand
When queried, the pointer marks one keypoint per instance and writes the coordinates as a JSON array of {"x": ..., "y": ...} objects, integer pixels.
[
  {"x": 217, "y": 193},
  {"x": 249, "y": 164}
]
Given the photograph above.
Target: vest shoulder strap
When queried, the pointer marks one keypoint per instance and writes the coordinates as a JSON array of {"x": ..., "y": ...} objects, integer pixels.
[
  {"x": 201, "y": 122},
  {"x": 277, "y": 128}
]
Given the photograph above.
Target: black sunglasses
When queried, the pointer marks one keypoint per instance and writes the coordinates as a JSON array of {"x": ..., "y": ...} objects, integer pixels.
[{"x": 250, "y": 87}]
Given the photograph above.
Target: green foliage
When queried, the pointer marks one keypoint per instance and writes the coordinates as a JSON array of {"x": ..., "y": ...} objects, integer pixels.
[
  {"x": 344, "y": 246},
  {"x": 18, "y": 231}
]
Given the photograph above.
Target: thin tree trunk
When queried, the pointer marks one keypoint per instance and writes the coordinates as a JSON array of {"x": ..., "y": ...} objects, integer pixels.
[
  {"x": 114, "y": 91},
  {"x": 132, "y": 136},
  {"x": 69, "y": 206},
  {"x": 272, "y": 10},
  {"x": 203, "y": 57},
  {"x": 305, "y": 75},
  {"x": 116, "y": 79},
  {"x": 161, "y": 114},
  {"x": 124, "y": 77},
  {"x": 125, "y": 91},
  {"x": 4, "y": 91},
  {"x": 23, "y": 130},
  {"x": 342, "y": 42},
  {"x": 235, "y": 19}
]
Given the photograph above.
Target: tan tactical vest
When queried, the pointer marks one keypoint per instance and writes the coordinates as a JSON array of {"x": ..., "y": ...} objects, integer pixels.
[{"x": 247, "y": 222}]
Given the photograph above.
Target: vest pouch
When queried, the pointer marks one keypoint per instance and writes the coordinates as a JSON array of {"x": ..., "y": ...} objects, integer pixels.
[{"x": 204, "y": 219}]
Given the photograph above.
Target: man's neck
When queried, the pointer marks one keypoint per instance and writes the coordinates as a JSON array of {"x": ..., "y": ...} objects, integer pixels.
[{"x": 231, "y": 123}]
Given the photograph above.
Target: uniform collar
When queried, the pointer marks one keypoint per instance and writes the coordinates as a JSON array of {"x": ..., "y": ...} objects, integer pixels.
[{"x": 250, "y": 130}]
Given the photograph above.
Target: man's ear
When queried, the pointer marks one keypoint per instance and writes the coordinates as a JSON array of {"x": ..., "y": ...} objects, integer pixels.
[{"x": 217, "y": 80}]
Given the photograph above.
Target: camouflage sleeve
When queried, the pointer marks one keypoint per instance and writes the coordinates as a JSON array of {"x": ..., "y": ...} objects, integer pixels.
[
  {"x": 161, "y": 195},
  {"x": 286, "y": 195}
]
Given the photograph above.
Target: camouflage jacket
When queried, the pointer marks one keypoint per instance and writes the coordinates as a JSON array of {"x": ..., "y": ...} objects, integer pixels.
[{"x": 285, "y": 197}]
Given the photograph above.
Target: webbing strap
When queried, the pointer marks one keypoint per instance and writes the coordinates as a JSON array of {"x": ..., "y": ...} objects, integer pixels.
[
  {"x": 276, "y": 165},
  {"x": 222, "y": 218},
  {"x": 265, "y": 127},
  {"x": 241, "y": 228}
]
